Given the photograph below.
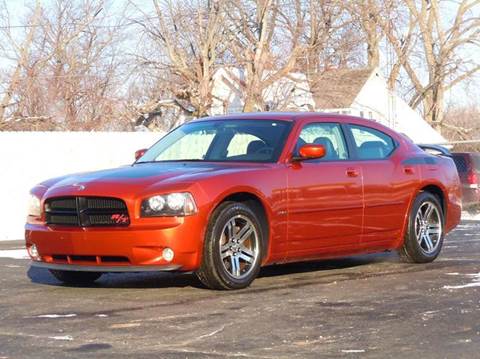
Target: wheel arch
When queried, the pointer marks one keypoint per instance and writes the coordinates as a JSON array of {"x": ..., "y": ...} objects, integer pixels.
[
  {"x": 257, "y": 202},
  {"x": 437, "y": 190}
]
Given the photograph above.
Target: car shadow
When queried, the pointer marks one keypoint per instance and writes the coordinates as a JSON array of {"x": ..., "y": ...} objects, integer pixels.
[
  {"x": 158, "y": 280},
  {"x": 327, "y": 264},
  {"x": 122, "y": 280}
]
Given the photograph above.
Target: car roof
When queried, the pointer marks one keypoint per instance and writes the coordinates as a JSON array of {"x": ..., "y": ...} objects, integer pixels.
[
  {"x": 300, "y": 117},
  {"x": 285, "y": 116}
]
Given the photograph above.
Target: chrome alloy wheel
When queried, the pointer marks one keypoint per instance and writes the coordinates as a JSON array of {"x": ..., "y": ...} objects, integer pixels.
[
  {"x": 428, "y": 227},
  {"x": 239, "y": 246}
]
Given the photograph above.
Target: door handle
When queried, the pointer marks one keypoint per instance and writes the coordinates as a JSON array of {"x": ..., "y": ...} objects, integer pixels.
[
  {"x": 409, "y": 170},
  {"x": 352, "y": 172}
]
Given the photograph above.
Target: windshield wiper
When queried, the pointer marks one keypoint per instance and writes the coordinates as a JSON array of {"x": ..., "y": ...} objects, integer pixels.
[{"x": 138, "y": 163}]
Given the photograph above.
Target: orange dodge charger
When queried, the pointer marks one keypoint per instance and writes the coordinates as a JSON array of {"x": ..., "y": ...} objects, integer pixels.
[{"x": 223, "y": 196}]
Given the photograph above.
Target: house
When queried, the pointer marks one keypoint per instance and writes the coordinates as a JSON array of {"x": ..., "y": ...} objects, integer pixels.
[
  {"x": 364, "y": 93},
  {"x": 289, "y": 93},
  {"x": 356, "y": 92}
]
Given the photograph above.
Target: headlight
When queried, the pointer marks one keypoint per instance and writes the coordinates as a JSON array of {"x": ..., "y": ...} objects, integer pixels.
[
  {"x": 172, "y": 204},
  {"x": 34, "y": 206}
]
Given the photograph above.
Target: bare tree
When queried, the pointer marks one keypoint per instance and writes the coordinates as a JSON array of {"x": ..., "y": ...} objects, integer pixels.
[
  {"x": 188, "y": 39},
  {"x": 463, "y": 123},
  {"x": 20, "y": 57},
  {"x": 433, "y": 50},
  {"x": 331, "y": 35},
  {"x": 65, "y": 66},
  {"x": 366, "y": 13},
  {"x": 67, "y": 74},
  {"x": 265, "y": 43}
]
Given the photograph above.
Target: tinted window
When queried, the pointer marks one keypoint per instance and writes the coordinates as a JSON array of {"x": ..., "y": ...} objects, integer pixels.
[
  {"x": 327, "y": 134},
  {"x": 222, "y": 141},
  {"x": 371, "y": 144},
  {"x": 460, "y": 162}
]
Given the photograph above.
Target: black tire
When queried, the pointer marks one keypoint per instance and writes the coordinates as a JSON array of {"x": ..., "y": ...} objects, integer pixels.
[
  {"x": 213, "y": 272},
  {"x": 74, "y": 277},
  {"x": 414, "y": 249}
]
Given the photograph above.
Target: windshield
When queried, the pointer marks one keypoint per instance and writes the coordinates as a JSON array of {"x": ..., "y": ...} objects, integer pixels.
[{"x": 222, "y": 141}]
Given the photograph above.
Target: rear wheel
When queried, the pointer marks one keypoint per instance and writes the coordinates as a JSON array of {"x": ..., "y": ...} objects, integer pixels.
[
  {"x": 75, "y": 278},
  {"x": 424, "y": 236},
  {"x": 233, "y": 247}
]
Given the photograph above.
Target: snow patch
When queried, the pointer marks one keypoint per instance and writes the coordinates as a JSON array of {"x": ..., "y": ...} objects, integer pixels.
[
  {"x": 429, "y": 314},
  {"x": 14, "y": 254},
  {"x": 471, "y": 216},
  {"x": 62, "y": 337},
  {"x": 353, "y": 350},
  {"x": 475, "y": 282},
  {"x": 55, "y": 316}
]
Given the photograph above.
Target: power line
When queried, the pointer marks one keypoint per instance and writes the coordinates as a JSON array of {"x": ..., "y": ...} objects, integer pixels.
[{"x": 135, "y": 22}]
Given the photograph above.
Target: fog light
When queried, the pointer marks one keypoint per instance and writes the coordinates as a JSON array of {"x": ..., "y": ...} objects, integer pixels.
[
  {"x": 167, "y": 254},
  {"x": 32, "y": 250}
]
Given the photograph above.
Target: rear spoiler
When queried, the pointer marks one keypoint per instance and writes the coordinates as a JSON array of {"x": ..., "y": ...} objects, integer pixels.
[{"x": 435, "y": 150}]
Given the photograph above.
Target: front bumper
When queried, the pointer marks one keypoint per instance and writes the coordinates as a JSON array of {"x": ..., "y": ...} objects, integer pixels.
[
  {"x": 105, "y": 268},
  {"x": 110, "y": 249}
]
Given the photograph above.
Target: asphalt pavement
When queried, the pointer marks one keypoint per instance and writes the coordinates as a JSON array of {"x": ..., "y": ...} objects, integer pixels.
[{"x": 370, "y": 306}]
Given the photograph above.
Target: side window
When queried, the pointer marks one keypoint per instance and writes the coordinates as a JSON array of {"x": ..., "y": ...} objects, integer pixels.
[
  {"x": 372, "y": 144},
  {"x": 327, "y": 134}
]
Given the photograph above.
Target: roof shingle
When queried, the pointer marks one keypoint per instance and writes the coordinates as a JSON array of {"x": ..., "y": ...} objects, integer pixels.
[{"x": 338, "y": 88}]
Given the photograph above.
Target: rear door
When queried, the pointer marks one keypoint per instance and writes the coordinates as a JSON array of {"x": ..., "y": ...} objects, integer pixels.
[
  {"x": 325, "y": 197},
  {"x": 388, "y": 179}
]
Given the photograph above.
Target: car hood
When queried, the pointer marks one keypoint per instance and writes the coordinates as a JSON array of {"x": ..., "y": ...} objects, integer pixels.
[{"x": 139, "y": 178}]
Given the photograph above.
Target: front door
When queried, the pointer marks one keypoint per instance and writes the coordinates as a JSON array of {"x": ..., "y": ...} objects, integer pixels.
[{"x": 325, "y": 197}]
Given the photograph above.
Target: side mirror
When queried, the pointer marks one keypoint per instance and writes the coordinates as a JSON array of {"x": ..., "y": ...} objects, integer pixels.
[
  {"x": 311, "y": 151},
  {"x": 140, "y": 153}
]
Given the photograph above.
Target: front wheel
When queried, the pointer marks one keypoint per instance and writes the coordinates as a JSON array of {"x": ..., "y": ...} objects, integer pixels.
[
  {"x": 75, "y": 278},
  {"x": 233, "y": 247},
  {"x": 424, "y": 237}
]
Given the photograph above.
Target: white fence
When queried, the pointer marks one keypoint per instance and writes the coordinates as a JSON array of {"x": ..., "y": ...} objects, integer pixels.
[{"x": 27, "y": 158}]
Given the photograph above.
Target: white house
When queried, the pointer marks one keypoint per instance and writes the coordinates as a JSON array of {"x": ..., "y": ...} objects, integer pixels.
[
  {"x": 290, "y": 93},
  {"x": 364, "y": 93},
  {"x": 357, "y": 92}
]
